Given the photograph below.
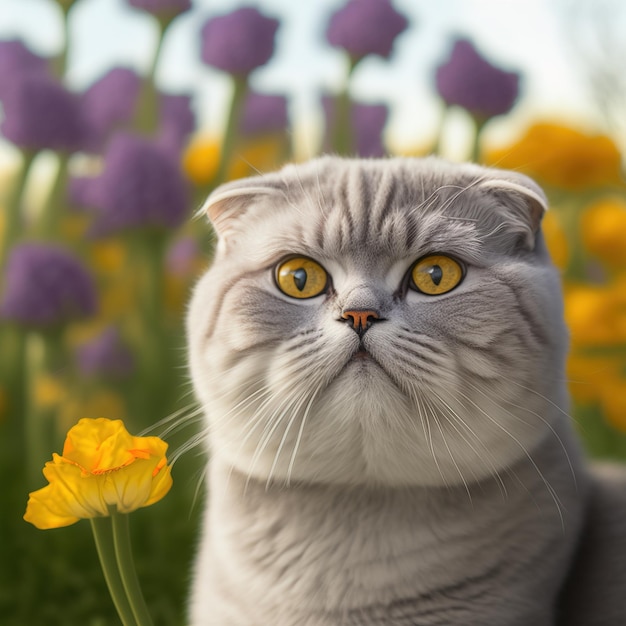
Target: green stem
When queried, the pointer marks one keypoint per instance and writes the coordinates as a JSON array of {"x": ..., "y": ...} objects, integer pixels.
[
  {"x": 54, "y": 208},
  {"x": 43, "y": 355},
  {"x": 576, "y": 267},
  {"x": 13, "y": 223},
  {"x": 148, "y": 105},
  {"x": 126, "y": 566},
  {"x": 436, "y": 149},
  {"x": 61, "y": 61},
  {"x": 148, "y": 250},
  {"x": 103, "y": 536},
  {"x": 479, "y": 125},
  {"x": 229, "y": 140},
  {"x": 342, "y": 132}
]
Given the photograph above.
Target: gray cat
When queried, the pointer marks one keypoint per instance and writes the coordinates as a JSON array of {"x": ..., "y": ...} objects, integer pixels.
[{"x": 379, "y": 349}]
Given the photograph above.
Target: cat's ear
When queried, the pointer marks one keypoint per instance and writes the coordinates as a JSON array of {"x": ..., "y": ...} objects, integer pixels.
[
  {"x": 525, "y": 192},
  {"x": 230, "y": 201}
]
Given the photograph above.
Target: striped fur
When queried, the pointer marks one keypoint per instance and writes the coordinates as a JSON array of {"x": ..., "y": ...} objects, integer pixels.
[{"x": 435, "y": 481}]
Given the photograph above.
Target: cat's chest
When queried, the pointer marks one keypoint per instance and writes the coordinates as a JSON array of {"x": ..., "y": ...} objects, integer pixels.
[{"x": 343, "y": 558}]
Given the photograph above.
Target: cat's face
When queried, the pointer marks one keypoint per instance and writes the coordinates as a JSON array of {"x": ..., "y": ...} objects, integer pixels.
[{"x": 394, "y": 322}]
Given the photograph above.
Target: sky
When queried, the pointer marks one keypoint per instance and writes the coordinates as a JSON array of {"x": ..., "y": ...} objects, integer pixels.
[{"x": 530, "y": 36}]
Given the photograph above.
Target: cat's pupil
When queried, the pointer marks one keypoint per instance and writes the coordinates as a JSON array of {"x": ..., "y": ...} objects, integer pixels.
[
  {"x": 436, "y": 274},
  {"x": 299, "y": 278}
]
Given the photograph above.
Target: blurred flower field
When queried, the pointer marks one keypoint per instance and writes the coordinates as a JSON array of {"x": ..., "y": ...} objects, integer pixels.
[{"x": 97, "y": 260}]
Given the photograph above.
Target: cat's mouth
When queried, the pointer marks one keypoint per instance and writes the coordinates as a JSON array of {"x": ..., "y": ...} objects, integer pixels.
[
  {"x": 363, "y": 360},
  {"x": 361, "y": 354}
]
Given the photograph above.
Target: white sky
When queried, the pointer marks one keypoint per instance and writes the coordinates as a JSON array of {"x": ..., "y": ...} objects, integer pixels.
[{"x": 524, "y": 35}]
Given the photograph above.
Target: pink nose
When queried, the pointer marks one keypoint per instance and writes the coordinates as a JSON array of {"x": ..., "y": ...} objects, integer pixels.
[{"x": 360, "y": 320}]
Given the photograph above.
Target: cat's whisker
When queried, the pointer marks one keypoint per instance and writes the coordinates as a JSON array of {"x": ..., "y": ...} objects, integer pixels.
[
  {"x": 543, "y": 420},
  {"x": 453, "y": 419},
  {"x": 296, "y": 446},
  {"x": 178, "y": 416},
  {"x": 294, "y": 411},
  {"x": 555, "y": 498},
  {"x": 458, "y": 469},
  {"x": 539, "y": 395},
  {"x": 427, "y": 432},
  {"x": 190, "y": 444}
]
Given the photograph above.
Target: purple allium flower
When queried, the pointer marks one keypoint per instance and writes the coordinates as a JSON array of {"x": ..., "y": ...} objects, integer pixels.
[
  {"x": 141, "y": 186},
  {"x": 46, "y": 286},
  {"x": 79, "y": 191},
  {"x": 39, "y": 113},
  {"x": 368, "y": 121},
  {"x": 167, "y": 9},
  {"x": 367, "y": 124},
  {"x": 263, "y": 113},
  {"x": 106, "y": 355},
  {"x": 468, "y": 80},
  {"x": 16, "y": 60},
  {"x": 110, "y": 103},
  {"x": 240, "y": 41},
  {"x": 182, "y": 257},
  {"x": 365, "y": 27},
  {"x": 177, "y": 123}
]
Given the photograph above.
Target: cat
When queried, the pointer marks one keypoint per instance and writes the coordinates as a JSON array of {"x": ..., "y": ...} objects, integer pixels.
[{"x": 379, "y": 349}]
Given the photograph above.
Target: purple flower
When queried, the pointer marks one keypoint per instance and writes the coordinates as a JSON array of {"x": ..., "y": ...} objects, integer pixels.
[
  {"x": 367, "y": 124},
  {"x": 39, "y": 113},
  {"x": 167, "y": 9},
  {"x": 263, "y": 113},
  {"x": 470, "y": 81},
  {"x": 368, "y": 121},
  {"x": 16, "y": 60},
  {"x": 141, "y": 186},
  {"x": 46, "y": 286},
  {"x": 106, "y": 355},
  {"x": 238, "y": 42},
  {"x": 177, "y": 123},
  {"x": 365, "y": 27},
  {"x": 182, "y": 257},
  {"x": 110, "y": 103}
]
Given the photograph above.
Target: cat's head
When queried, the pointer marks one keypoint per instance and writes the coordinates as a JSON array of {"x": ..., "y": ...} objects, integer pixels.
[{"x": 378, "y": 321}]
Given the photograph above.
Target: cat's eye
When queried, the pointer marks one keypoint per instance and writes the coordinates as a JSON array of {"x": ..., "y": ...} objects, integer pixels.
[
  {"x": 301, "y": 277},
  {"x": 436, "y": 274}
]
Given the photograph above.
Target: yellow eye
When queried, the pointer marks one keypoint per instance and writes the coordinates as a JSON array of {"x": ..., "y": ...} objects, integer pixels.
[
  {"x": 300, "y": 277},
  {"x": 436, "y": 274}
]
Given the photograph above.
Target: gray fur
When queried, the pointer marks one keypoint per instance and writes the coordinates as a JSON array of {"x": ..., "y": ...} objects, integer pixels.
[{"x": 437, "y": 480}]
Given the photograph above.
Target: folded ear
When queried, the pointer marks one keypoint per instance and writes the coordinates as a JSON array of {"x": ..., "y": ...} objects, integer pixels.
[
  {"x": 522, "y": 194},
  {"x": 231, "y": 201}
]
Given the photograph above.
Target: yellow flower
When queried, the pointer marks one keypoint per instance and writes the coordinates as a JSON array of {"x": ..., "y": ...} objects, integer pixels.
[
  {"x": 109, "y": 257},
  {"x": 587, "y": 374},
  {"x": 202, "y": 157},
  {"x": 562, "y": 156},
  {"x": 603, "y": 231},
  {"x": 613, "y": 402},
  {"x": 201, "y": 160},
  {"x": 48, "y": 391},
  {"x": 103, "y": 467},
  {"x": 4, "y": 403},
  {"x": 556, "y": 239},
  {"x": 592, "y": 315}
]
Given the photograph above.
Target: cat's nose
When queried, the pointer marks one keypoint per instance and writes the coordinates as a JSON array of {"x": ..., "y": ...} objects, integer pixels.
[{"x": 360, "y": 319}]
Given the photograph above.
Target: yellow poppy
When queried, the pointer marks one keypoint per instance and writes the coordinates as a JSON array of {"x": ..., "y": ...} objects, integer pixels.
[
  {"x": 556, "y": 239},
  {"x": 102, "y": 467},
  {"x": 201, "y": 160},
  {"x": 562, "y": 156},
  {"x": 586, "y": 376},
  {"x": 592, "y": 315},
  {"x": 613, "y": 402},
  {"x": 603, "y": 231},
  {"x": 261, "y": 154}
]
